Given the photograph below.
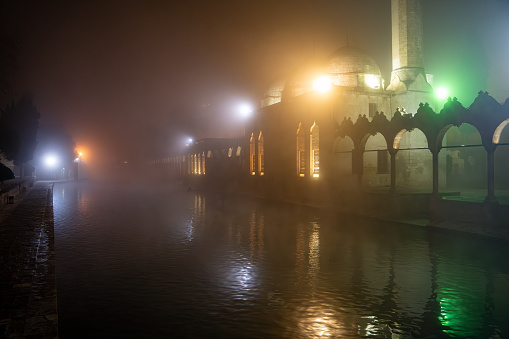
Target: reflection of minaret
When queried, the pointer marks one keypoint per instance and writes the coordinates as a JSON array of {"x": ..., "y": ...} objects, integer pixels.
[{"x": 408, "y": 77}]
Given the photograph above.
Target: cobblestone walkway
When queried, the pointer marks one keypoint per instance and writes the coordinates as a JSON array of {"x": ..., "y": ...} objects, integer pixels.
[{"x": 28, "y": 299}]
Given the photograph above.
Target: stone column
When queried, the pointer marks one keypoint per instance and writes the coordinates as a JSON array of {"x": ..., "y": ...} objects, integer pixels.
[
  {"x": 436, "y": 194},
  {"x": 393, "y": 169},
  {"x": 359, "y": 164}
]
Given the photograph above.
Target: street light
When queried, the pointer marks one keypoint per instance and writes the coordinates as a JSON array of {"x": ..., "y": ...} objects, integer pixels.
[
  {"x": 245, "y": 110},
  {"x": 50, "y": 160},
  {"x": 322, "y": 84}
]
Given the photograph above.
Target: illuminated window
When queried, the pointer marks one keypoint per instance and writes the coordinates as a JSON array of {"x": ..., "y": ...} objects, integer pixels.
[
  {"x": 203, "y": 163},
  {"x": 314, "y": 160},
  {"x": 261, "y": 155},
  {"x": 209, "y": 154},
  {"x": 198, "y": 161},
  {"x": 230, "y": 152},
  {"x": 238, "y": 151},
  {"x": 301, "y": 152},
  {"x": 195, "y": 165},
  {"x": 252, "y": 155}
]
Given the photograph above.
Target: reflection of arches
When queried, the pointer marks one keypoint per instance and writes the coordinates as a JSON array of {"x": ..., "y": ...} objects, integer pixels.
[
  {"x": 314, "y": 161},
  {"x": 301, "y": 151},
  {"x": 465, "y": 158},
  {"x": 376, "y": 162},
  {"x": 252, "y": 155},
  {"x": 342, "y": 158},
  {"x": 261, "y": 155}
]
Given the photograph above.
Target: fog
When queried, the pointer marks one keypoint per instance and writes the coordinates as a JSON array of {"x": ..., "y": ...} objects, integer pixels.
[{"x": 131, "y": 80}]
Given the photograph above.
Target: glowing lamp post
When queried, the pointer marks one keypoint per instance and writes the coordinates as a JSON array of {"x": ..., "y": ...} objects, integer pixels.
[
  {"x": 79, "y": 166},
  {"x": 51, "y": 162}
]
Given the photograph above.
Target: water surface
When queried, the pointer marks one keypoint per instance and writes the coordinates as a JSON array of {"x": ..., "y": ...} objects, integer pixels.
[{"x": 137, "y": 261}]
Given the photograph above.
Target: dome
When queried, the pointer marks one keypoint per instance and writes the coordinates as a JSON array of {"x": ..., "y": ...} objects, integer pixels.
[
  {"x": 350, "y": 59},
  {"x": 350, "y": 66},
  {"x": 301, "y": 80},
  {"x": 273, "y": 94}
]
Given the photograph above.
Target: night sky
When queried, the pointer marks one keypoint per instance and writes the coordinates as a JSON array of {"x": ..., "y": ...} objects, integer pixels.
[{"x": 130, "y": 80}]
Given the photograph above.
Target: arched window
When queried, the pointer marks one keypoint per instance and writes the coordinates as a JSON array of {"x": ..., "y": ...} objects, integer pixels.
[
  {"x": 252, "y": 155},
  {"x": 314, "y": 160},
  {"x": 261, "y": 155},
  {"x": 203, "y": 163},
  {"x": 238, "y": 151},
  {"x": 301, "y": 152}
]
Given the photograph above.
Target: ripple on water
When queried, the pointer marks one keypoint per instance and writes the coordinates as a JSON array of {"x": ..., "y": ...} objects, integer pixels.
[{"x": 163, "y": 262}]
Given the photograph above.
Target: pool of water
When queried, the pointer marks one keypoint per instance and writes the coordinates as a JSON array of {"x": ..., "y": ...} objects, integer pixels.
[{"x": 152, "y": 261}]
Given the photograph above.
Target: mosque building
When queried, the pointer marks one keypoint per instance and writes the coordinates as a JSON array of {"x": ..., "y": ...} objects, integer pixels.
[{"x": 332, "y": 132}]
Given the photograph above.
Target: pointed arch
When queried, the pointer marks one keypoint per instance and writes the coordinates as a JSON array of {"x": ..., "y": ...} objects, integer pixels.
[
  {"x": 203, "y": 162},
  {"x": 261, "y": 154},
  {"x": 314, "y": 162},
  {"x": 301, "y": 151},
  {"x": 498, "y": 131},
  {"x": 252, "y": 155}
]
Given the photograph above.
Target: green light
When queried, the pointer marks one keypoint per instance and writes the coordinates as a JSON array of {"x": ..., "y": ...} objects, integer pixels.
[{"x": 442, "y": 93}]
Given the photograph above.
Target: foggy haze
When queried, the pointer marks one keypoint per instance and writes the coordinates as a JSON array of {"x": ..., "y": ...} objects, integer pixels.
[{"x": 131, "y": 80}]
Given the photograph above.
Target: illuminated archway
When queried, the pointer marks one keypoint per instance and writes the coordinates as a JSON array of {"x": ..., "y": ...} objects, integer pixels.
[
  {"x": 498, "y": 131},
  {"x": 252, "y": 155},
  {"x": 501, "y": 139},
  {"x": 261, "y": 155},
  {"x": 314, "y": 161},
  {"x": 203, "y": 163},
  {"x": 301, "y": 152}
]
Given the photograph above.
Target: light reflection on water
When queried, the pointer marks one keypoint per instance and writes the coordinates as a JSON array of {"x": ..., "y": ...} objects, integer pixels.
[{"x": 158, "y": 262}]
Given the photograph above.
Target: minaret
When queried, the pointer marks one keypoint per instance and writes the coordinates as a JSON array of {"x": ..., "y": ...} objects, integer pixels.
[{"x": 408, "y": 74}]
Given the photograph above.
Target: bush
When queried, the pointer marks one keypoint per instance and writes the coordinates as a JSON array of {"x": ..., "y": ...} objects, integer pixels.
[{"x": 5, "y": 173}]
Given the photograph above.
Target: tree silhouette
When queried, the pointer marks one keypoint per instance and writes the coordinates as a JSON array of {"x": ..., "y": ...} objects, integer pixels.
[
  {"x": 9, "y": 55},
  {"x": 18, "y": 129}
]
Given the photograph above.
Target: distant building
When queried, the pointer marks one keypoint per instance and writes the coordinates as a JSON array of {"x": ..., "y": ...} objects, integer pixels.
[{"x": 332, "y": 129}]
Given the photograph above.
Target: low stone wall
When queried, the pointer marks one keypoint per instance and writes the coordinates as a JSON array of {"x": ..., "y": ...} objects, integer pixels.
[{"x": 10, "y": 189}]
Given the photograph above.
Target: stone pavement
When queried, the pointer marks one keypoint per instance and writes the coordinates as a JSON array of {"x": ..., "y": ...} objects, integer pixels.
[{"x": 28, "y": 299}]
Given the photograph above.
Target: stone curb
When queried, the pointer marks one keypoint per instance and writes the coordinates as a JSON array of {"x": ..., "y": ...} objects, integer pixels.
[{"x": 28, "y": 299}]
